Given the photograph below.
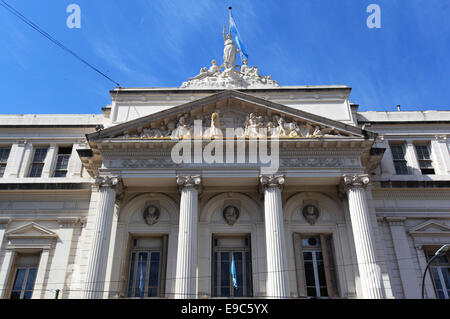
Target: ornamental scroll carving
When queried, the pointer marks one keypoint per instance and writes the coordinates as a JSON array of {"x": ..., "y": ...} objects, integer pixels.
[{"x": 298, "y": 162}]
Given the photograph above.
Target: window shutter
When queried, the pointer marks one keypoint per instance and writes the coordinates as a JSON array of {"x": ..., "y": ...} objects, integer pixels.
[
  {"x": 299, "y": 266},
  {"x": 328, "y": 260}
]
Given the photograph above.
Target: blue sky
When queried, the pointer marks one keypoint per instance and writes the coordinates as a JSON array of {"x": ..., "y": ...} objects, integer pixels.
[{"x": 160, "y": 43}]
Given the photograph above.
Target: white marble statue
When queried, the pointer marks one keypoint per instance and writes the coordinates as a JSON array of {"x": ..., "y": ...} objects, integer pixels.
[
  {"x": 229, "y": 77},
  {"x": 230, "y": 51}
]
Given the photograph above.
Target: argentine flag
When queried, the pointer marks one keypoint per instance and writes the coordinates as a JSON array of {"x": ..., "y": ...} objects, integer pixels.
[
  {"x": 237, "y": 38},
  {"x": 141, "y": 278},
  {"x": 233, "y": 273}
]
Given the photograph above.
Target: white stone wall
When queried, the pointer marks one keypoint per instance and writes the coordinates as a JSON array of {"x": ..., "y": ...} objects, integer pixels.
[{"x": 69, "y": 213}]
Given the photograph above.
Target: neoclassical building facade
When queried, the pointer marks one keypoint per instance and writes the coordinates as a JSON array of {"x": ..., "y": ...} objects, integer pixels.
[{"x": 228, "y": 186}]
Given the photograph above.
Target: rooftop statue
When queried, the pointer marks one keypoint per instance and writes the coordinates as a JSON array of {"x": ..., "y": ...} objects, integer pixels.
[
  {"x": 231, "y": 77},
  {"x": 230, "y": 50}
]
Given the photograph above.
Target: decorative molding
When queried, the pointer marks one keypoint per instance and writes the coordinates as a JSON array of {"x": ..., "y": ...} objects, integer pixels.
[
  {"x": 430, "y": 228},
  {"x": 31, "y": 230},
  {"x": 402, "y": 194},
  {"x": 297, "y": 162}
]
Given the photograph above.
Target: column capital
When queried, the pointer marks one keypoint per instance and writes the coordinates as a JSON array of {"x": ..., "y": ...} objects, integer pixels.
[
  {"x": 68, "y": 222},
  {"x": 441, "y": 138},
  {"x": 194, "y": 181},
  {"x": 22, "y": 143},
  {"x": 355, "y": 181},
  {"x": 108, "y": 182},
  {"x": 112, "y": 182},
  {"x": 395, "y": 221},
  {"x": 272, "y": 181}
]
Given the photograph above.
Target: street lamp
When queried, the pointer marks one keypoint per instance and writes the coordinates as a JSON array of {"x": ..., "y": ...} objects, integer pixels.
[{"x": 440, "y": 252}]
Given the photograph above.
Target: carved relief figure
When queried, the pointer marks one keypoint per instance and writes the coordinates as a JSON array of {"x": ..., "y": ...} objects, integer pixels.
[
  {"x": 283, "y": 129},
  {"x": 151, "y": 215},
  {"x": 183, "y": 129},
  {"x": 311, "y": 214},
  {"x": 231, "y": 215},
  {"x": 214, "y": 69},
  {"x": 253, "y": 125}
]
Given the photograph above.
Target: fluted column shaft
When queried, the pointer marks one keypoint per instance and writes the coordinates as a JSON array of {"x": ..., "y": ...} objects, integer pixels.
[
  {"x": 96, "y": 269},
  {"x": 186, "y": 273},
  {"x": 369, "y": 271},
  {"x": 277, "y": 275}
]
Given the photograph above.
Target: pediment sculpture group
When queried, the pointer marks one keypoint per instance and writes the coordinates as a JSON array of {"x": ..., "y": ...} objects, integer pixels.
[
  {"x": 232, "y": 75},
  {"x": 255, "y": 126}
]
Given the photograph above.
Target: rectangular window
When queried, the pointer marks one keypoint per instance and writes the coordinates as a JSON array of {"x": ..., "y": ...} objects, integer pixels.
[
  {"x": 24, "y": 276},
  {"x": 62, "y": 161},
  {"x": 38, "y": 162},
  {"x": 147, "y": 267},
  {"x": 232, "y": 267},
  {"x": 4, "y": 154},
  {"x": 398, "y": 155},
  {"x": 440, "y": 273},
  {"x": 315, "y": 266},
  {"x": 424, "y": 157}
]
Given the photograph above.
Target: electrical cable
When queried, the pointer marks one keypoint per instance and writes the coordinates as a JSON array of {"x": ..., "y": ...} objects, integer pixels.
[{"x": 12, "y": 10}]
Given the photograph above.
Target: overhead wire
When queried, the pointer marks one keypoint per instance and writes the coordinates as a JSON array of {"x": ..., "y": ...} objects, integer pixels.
[{"x": 19, "y": 15}]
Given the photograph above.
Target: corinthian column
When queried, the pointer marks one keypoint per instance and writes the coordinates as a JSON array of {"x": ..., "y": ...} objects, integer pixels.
[
  {"x": 369, "y": 271},
  {"x": 102, "y": 223},
  {"x": 185, "y": 282},
  {"x": 277, "y": 276}
]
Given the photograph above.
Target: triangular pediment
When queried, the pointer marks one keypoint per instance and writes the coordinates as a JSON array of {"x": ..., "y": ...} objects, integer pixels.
[
  {"x": 430, "y": 228},
  {"x": 246, "y": 114},
  {"x": 31, "y": 230}
]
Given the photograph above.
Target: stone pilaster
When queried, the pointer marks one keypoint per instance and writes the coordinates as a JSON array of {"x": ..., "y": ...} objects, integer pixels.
[
  {"x": 277, "y": 276},
  {"x": 38, "y": 290},
  {"x": 186, "y": 272},
  {"x": 408, "y": 276},
  {"x": 369, "y": 270},
  {"x": 108, "y": 187}
]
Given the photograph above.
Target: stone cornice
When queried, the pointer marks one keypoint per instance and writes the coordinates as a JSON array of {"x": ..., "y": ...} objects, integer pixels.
[
  {"x": 226, "y": 94},
  {"x": 407, "y": 194},
  {"x": 4, "y": 222}
]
